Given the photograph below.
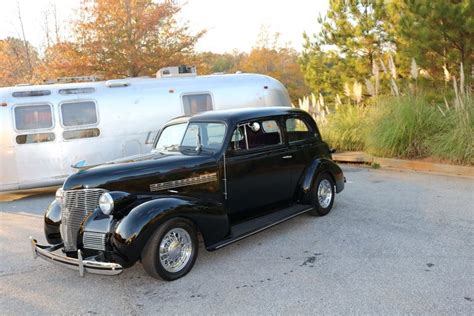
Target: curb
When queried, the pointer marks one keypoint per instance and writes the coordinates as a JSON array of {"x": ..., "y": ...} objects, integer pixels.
[{"x": 414, "y": 165}]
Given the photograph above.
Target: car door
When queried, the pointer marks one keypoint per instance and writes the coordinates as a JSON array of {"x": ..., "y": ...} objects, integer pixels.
[
  {"x": 258, "y": 177},
  {"x": 304, "y": 144}
]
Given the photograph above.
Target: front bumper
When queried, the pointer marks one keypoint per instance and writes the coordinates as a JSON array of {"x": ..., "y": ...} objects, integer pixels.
[{"x": 89, "y": 265}]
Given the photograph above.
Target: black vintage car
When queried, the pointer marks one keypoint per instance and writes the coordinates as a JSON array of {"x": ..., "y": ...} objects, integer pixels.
[{"x": 234, "y": 173}]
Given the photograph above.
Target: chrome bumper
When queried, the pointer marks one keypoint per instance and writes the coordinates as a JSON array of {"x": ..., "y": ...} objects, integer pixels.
[{"x": 88, "y": 265}]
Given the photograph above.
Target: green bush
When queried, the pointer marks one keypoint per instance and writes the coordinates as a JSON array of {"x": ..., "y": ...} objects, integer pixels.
[
  {"x": 344, "y": 129},
  {"x": 454, "y": 140},
  {"x": 401, "y": 127}
]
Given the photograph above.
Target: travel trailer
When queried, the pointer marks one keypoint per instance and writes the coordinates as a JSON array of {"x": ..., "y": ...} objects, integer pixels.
[{"x": 46, "y": 129}]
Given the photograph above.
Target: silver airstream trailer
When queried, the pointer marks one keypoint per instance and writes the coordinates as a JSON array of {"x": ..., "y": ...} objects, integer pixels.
[{"x": 47, "y": 128}]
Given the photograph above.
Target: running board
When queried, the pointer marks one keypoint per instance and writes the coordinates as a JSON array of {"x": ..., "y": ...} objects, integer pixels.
[{"x": 251, "y": 227}]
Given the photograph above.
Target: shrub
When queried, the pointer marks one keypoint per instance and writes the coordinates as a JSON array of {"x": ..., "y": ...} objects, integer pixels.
[
  {"x": 454, "y": 141},
  {"x": 401, "y": 127},
  {"x": 344, "y": 129}
]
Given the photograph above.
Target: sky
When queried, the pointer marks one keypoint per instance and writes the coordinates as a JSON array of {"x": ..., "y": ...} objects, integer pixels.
[{"x": 230, "y": 24}]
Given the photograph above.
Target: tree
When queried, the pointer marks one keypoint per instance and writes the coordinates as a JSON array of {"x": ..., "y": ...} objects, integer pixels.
[
  {"x": 209, "y": 62},
  {"x": 132, "y": 37},
  {"x": 64, "y": 59},
  {"x": 354, "y": 35},
  {"x": 436, "y": 33},
  {"x": 16, "y": 65},
  {"x": 270, "y": 58}
]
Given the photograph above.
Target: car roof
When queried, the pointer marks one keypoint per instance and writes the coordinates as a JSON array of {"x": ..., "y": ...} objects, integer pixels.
[
  {"x": 243, "y": 114},
  {"x": 178, "y": 120}
]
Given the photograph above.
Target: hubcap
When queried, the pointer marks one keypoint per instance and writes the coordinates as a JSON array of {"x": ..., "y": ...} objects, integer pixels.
[
  {"x": 175, "y": 250},
  {"x": 324, "y": 193}
]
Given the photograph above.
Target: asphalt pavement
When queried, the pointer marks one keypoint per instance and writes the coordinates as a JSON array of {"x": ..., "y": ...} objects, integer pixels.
[{"x": 394, "y": 243}]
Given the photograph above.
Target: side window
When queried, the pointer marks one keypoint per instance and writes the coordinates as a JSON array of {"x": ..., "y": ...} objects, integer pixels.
[
  {"x": 79, "y": 113},
  {"x": 196, "y": 103},
  {"x": 256, "y": 134},
  {"x": 32, "y": 117},
  {"x": 35, "y": 138},
  {"x": 297, "y": 130}
]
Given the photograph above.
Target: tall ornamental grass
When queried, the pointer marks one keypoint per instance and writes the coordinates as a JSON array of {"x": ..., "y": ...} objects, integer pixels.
[
  {"x": 344, "y": 128},
  {"x": 455, "y": 139},
  {"x": 401, "y": 127}
]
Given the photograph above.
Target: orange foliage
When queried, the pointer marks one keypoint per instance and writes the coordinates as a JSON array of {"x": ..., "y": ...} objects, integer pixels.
[
  {"x": 132, "y": 37},
  {"x": 16, "y": 66},
  {"x": 279, "y": 63}
]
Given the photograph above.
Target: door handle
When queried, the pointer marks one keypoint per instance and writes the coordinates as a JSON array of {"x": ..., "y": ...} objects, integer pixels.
[{"x": 287, "y": 157}]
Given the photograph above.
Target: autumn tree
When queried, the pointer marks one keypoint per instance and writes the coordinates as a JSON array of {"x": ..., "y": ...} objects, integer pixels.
[
  {"x": 271, "y": 58},
  {"x": 64, "y": 59},
  {"x": 131, "y": 37},
  {"x": 18, "y": 62},
  {"x": 209, "y": 62}
]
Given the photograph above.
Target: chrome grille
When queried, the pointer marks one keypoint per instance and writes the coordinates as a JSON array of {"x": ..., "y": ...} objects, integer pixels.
[
  {"x": 77, "y": 204},
  {"x": 93, "y": 240}
]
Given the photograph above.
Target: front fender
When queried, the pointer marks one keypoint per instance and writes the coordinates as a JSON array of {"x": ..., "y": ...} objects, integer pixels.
[
  {"x": 133, "y": 231},
  {"x": 52, "y": 221},
  {"x": 311, "y": 172}
]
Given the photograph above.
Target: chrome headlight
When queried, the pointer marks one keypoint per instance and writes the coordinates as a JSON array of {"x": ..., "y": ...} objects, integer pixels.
[
  {"x": 106, "y": 203},
  {"x": 59, "y": 196}
]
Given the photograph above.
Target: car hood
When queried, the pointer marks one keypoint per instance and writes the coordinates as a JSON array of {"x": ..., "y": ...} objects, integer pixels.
[{"x": 137, "y": 173}]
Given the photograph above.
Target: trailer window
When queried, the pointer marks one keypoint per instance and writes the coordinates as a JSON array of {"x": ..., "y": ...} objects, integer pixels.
[
  {"x": 81, "y": 133},
  {"x": 35, "y": 138},
  {"x": 196, "y": 103},
  {"x": 79, "y": 113},
  {"x": 33, "y": 117}
]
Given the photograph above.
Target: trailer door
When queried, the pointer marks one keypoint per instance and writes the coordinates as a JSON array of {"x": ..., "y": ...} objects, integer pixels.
[{"x": 37, "y": 158}]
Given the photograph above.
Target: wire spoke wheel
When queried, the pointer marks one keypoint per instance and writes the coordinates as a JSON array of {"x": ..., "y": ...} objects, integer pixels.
[{"x": 175, "y": 250}]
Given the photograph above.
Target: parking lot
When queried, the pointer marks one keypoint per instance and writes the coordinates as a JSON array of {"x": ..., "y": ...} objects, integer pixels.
[{"x": 395, "y": 242}]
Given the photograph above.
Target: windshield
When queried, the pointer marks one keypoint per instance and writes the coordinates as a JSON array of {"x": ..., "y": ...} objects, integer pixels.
[
  {"x": 204, "y": 136},
  {"x": 170, "y": 138}
]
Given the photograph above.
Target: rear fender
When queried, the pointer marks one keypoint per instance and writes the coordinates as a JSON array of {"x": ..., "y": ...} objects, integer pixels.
[
  {"x": 316, "y": 167},
  {"x": 133, "y": 231}
]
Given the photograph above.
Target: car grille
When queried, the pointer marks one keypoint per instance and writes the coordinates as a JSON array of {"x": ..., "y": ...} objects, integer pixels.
[
  {"x": 77, "y": 204},
  {"x": 93, "y": 240}
]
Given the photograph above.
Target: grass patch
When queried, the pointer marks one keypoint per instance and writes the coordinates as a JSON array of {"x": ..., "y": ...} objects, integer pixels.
[
  {"x": 401, "y": 127},
  {"x": 344, "y": 129},
  {"x": 454, "y": 141}
]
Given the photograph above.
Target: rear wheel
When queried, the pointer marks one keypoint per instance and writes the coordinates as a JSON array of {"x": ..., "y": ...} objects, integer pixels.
[
  {"x": 322, "y": 195},
  {"x": 171, "y": 251}
]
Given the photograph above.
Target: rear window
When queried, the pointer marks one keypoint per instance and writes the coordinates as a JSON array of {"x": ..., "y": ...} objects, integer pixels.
[
  {"x": 297, "y": 130},
  {"x": 32, "y": 117},
  {"x": 79, "y": 113},
  {"x": 196, "y": 103}
]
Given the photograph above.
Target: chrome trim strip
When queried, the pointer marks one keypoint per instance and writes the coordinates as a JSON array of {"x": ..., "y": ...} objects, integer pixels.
[
  {"x": 205, "y": 178},
  {"x": 88, "y": 265},
  {"x": 263, "y": 228}
]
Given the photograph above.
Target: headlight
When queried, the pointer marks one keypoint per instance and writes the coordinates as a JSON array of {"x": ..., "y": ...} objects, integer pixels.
[
  {"x": 60, "y": 196},
  {"x": 106, "y": 203}
]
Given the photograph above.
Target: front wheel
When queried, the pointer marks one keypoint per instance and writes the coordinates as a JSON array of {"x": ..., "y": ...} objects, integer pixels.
[
  {"x": 322, "y": 195},
  {"x": 171, "y": 251}
]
